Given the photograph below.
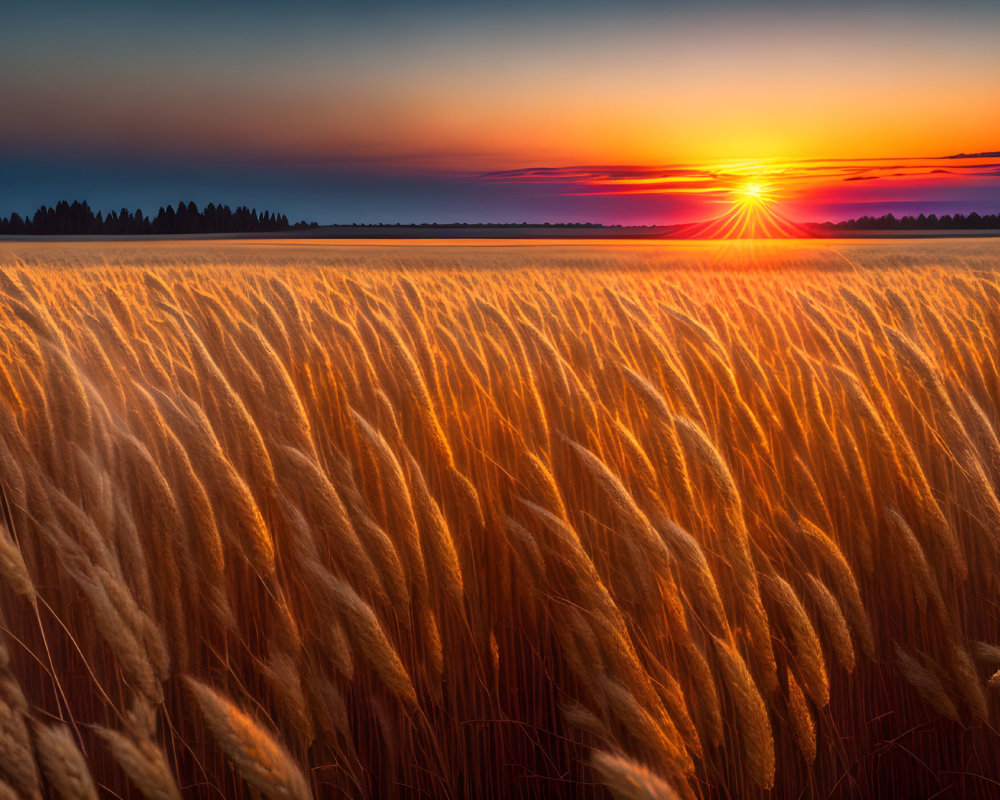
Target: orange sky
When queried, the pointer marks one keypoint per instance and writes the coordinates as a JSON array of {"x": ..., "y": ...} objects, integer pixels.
[{"x": 633, "y": 89}]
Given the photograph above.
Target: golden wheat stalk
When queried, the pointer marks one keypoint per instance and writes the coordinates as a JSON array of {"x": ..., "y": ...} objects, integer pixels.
[{"x": 257, "y": 756}]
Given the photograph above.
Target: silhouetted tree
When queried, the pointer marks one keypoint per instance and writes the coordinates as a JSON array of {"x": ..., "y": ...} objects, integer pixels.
[
  {"x": 78, "y": 219},
  {"x": 973, "y": 221}
]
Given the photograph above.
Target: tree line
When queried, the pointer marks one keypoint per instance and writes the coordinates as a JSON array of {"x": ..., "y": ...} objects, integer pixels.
[
  {"x": 79, "y": 219},
  {"x": 888, "y": 222}
]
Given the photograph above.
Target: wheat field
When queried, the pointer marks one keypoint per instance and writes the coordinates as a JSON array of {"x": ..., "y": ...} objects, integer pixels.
[{"x": 704, "y": 521}]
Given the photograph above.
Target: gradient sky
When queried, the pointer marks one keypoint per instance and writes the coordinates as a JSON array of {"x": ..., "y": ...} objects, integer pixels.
[{"x": 625, "y": 112}]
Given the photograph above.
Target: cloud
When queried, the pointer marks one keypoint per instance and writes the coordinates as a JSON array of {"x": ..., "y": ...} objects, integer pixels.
[{"x": 793, "y": 179}]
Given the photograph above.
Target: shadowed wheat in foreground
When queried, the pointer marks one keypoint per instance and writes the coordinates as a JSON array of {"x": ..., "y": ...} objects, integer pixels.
[{"x": 447, "y": 531}]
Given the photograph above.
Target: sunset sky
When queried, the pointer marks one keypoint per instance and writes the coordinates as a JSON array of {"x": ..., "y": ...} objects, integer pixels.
[{"x": 624, "y": 112}]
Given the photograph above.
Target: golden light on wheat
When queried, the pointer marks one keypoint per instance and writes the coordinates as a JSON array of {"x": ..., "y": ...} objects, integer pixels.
[{"x": 444, "y": 529}]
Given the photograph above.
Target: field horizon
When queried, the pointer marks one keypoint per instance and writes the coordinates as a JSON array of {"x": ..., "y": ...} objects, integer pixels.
[
  {"x": 951, "y": 250},
  {"x": 401, "y": 235}
]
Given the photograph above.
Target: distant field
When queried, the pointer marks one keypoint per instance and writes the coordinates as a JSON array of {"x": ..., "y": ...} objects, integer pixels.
[
  {"x": 489, "y": 519},
  {"x": 400, "y": 235}
]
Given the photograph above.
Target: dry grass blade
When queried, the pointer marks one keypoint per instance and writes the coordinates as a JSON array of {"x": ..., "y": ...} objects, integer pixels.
[
  {"x": 630, "y": 780},
  {"x": 368, "y": 635},
  {"x": 257, "y": 756},
  {"x": 927, "y": 684},
  {"x": 63, "y": 764},
  {"x": 803, "y": 728},
  {"x": 144, "y": 763},
  {"x": 755, "y": 735}
]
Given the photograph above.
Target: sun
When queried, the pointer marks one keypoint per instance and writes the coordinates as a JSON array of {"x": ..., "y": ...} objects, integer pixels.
[
  {"x": 752, "y": 214},
  {"x": 754, "y": 193}
]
